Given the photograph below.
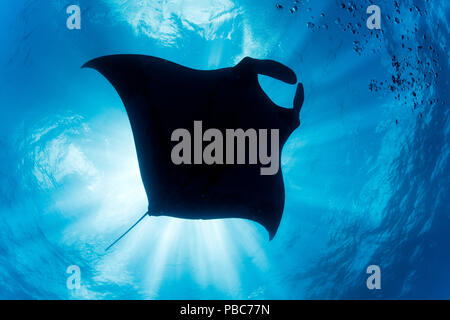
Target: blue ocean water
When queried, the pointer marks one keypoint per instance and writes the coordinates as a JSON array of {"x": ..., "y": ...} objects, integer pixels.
[{"x": 366, "y": 174}]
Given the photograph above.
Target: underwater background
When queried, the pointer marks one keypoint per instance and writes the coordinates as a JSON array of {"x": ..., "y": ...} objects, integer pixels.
[{"x": 366, "y": 174}]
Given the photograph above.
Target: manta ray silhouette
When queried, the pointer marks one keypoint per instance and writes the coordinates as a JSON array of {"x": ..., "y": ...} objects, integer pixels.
[{"x": 161, "y": 96}]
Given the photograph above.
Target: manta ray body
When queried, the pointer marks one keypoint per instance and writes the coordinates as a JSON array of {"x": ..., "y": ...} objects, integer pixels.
[{"x": 161, "y": 96}]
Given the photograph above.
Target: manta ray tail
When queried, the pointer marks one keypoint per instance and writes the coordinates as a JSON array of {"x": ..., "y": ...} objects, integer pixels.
[{"x": 123, "y": 235}]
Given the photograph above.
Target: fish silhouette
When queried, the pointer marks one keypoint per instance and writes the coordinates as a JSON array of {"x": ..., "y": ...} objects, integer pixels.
[{"x": 161, "y": 96}]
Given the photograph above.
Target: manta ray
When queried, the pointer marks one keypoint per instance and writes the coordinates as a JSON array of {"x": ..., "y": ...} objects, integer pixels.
[{"x": 162, "y": 96}]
